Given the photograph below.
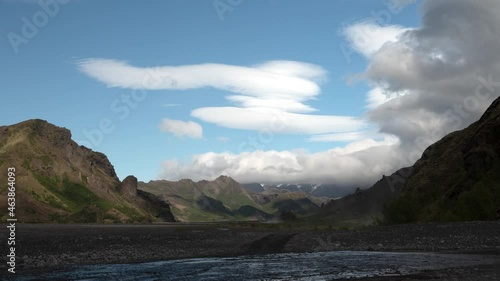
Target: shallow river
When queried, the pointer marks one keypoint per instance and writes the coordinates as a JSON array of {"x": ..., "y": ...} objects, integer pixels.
[{"x": 307, "y": 266}]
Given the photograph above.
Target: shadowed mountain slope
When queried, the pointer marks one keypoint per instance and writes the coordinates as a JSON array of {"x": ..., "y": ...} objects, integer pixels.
[{"x": 457, "y": 178}]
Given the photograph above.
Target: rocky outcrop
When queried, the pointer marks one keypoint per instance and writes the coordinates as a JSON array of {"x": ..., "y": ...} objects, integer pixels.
[
  {"x": 129, "y": 187},
  {"x": 158, "y": 207},
  {"x": 153, "y": 204}
]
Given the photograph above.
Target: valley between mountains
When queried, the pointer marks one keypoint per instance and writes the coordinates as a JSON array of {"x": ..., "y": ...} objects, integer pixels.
[
  {"x": 102, "y": 220},
  {"x": 456, "y": 179}
]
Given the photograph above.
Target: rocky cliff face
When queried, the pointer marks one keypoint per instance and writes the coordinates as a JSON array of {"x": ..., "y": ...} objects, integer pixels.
[
  {"x": 147, "y": 201},
  {"x": 60, "y": 181},
  {"x": 129, "y": 187},
  {"x": 457, "y": 178}
]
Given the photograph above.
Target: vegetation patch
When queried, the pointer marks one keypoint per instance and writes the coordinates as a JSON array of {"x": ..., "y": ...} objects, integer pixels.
[{"x": 70, "y": 195}]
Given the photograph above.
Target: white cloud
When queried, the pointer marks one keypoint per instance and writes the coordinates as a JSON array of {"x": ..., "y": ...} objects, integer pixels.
[
  {"x": 294, "y": 69},
  {"x": 365, "y": 144},
  {"x": 264, "y": 91},
  {"x": 339, "y": 137},
  {"x": 181, "y": 128},
  {"x": 368, "y": 37},
  {"x": 376, "y": 97},
  {"x": 268, "y": 80},
  {"x": 280, "y": 122},
  {"x": 283, "y": 103},
  {"x": 357, "y": 164},
  {"x": 423, "y": 79}
]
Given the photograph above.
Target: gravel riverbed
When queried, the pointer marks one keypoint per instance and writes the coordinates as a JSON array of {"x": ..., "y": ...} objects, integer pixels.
[{"x": 47, "y": 247}]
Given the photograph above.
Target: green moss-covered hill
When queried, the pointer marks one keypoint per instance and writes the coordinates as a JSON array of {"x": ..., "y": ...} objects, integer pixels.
[{"x": 59, "y": 181}]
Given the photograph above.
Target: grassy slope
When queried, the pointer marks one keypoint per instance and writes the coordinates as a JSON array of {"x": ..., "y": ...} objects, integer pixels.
[{"x": 50, "y": 187}]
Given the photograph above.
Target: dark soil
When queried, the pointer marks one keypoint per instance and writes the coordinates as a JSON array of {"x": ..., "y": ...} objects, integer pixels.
[{"x": 47, "y": 247}]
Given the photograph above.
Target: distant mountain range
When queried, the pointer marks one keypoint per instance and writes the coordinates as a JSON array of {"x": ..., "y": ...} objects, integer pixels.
[
  {"x": 317, "y": 190},
  {"x": 226, "y": 199}
]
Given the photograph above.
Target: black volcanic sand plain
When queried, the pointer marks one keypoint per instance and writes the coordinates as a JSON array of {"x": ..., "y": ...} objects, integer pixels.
[{"x": 48, "y": 247}]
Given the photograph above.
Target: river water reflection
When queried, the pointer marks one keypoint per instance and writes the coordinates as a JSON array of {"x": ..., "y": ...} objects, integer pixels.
[{"x": 306, "y": 266}]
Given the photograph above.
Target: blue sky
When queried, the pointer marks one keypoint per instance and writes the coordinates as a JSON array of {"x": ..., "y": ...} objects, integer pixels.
[{"x": 197, "y": 116}]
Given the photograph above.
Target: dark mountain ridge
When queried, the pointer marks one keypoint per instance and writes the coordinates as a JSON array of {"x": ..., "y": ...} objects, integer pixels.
[{"x": 456, "y": 179}]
